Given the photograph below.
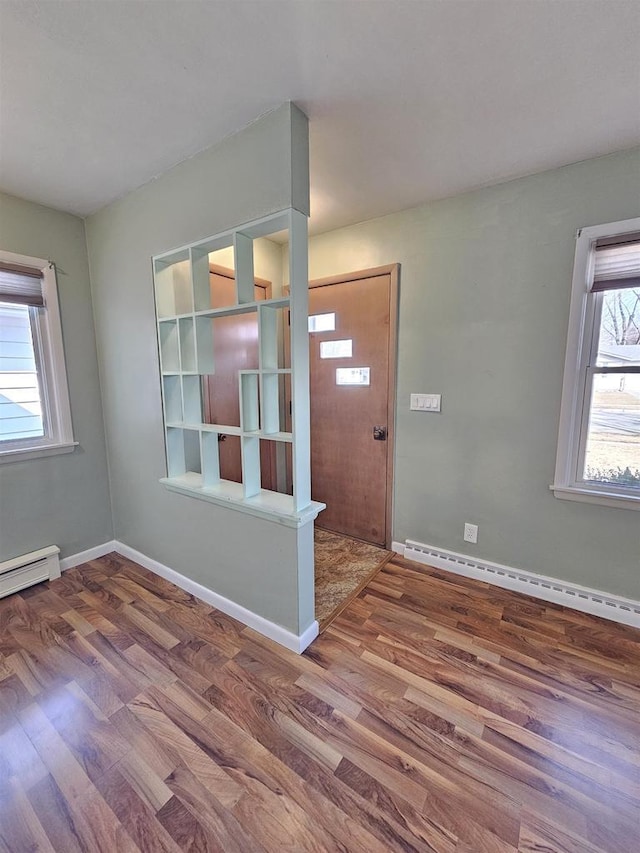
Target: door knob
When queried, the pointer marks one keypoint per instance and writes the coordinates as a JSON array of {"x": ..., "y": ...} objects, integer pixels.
[{"x": 379, "y": 433}]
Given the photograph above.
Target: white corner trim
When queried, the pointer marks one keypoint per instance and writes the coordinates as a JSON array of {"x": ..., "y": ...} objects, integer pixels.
[
  {"x": 90, "y": 554},
  {"x": 295, "y": 642},
  {"x": 398, "y": 548},
  {"x": 582, "y": 598},
  {"x": 306, "y": 638}
]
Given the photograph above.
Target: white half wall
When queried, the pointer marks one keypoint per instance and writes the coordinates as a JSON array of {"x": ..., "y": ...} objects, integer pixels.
[{"x": 249, "y": 561}]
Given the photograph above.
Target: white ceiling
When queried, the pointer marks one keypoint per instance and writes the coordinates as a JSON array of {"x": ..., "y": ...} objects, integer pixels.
[{"x": 409, "y": 100}]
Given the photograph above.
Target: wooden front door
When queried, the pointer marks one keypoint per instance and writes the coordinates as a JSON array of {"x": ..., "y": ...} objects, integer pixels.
[
  {"x": 352, "y": 401},
  {"x": 235, "y": 347}
]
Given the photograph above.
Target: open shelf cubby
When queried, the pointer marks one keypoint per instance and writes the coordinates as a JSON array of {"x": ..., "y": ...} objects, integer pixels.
[
  {"x": 169, "y": 346},
  {"x": 192, "y": 335},
  {"x": 192, "y": 399},
  {"x": 183, "y": 451},
  {"x": 172, "y": 275},
  {"x": 172, "y": 394},
  {"x": 186, "y": 333}
]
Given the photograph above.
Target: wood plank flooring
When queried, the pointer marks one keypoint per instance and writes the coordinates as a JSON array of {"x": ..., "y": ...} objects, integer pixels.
[{"x": 435, "y": 714}]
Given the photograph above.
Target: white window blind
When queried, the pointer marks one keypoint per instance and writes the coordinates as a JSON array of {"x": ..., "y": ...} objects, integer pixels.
[
  {"x": 20, "y": 285},
  {"x": 20, "y": 406},
  {"x": 617, "y": 265}
]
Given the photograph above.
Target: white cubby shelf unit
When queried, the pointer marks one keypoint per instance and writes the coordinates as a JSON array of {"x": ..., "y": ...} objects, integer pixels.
[{"x": 185, "y": 342}]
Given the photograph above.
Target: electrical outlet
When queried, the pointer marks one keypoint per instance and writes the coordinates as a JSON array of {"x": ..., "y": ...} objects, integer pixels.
[{"x": 470, "y": 532}]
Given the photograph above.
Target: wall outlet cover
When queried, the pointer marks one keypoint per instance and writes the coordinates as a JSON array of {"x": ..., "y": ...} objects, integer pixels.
[{"x": 470, "y": 532}]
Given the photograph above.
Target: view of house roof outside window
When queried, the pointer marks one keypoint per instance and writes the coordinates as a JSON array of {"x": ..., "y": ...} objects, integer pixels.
[{"x": 20, "y": 404}]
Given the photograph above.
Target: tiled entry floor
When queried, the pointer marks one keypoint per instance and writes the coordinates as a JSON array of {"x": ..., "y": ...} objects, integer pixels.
[{"x": 343, "y": 566}]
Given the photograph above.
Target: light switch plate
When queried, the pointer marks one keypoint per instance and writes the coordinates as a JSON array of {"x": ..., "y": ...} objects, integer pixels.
[{"x": 425, "y": 403}]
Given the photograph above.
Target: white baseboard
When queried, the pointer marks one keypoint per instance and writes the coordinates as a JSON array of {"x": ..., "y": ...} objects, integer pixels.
[
  {"x": 581, "y": 598},
  {"x": 295, "y": 642},
  {"x": 398, "y": 547},
  {"x": 90, "y": 554}
]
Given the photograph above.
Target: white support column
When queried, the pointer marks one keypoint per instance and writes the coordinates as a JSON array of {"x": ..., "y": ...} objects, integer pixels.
[
  {"x": 209, "y": 453},
  {"x": 300, "y": 418},
  {"x": 204, "y": 346},
  {"x": 270, "y": 403},
  {"x": 243, "y": 250},
  {"x": 268, "y": 318},
  {"x": 200, "y": 278},
  {"x": 249, "y": 420},
  {"x": 176, "y": 464},
  {"x": 250, "y": 466}
]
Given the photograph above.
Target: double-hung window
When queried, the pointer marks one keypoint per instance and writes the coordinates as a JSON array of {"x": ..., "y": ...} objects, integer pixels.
[
  {"x": 599, "y": 442},
  {"x": 35, "y": 417}
]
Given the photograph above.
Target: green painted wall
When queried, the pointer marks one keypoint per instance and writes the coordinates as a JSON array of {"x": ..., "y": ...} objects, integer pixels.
[
  {"x": 249, "y": 175},
  {"x": 61, "y": 500},
  {"x": 484, "y": 306}
]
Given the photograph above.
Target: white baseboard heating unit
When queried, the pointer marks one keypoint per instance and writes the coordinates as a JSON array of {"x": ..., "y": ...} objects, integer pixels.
[{"x": 24, "y": 571}]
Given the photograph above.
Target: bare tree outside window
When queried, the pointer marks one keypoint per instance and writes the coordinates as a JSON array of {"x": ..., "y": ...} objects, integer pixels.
[{"x": 621, "y": 317}]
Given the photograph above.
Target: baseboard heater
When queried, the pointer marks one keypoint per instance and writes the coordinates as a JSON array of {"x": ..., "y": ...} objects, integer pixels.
[
  {"x": 24, "y": 571},
  {"x": 567, "y": 594}
]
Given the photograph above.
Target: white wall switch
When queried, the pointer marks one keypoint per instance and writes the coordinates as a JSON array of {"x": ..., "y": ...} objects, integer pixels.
[
  {"x": 470, "y": 532},
  {"x": 425, "y": 403}
]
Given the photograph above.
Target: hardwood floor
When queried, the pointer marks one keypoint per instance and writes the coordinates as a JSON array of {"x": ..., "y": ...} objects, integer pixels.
[{"x": 435, "y": 714}]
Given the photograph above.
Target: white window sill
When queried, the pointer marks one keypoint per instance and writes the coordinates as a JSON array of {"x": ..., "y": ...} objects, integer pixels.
[
  {"x": 36, "y": 452},
  {"x": 596, "y": 496}
]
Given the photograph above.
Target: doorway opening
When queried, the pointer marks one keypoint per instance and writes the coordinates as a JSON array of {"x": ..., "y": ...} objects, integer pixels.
[
  {"x": 352, "y": 371},
  {"x": 352, "y": 376}
]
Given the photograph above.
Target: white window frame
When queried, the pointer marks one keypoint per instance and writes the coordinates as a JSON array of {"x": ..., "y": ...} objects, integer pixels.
[
  {"x": 46, "y": 330},
  {"x": 582, "y": 339}
]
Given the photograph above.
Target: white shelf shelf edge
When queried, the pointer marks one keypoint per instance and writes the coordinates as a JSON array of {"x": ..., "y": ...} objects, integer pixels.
[
  {"x": 239, "y": 308},
  {"x": 271, "y": 506},
  {"x": 219, "y": 428},
  {"x": 286, "y": 437},
  {"x": 257, "y": 371},
  {"x": 171, "y": 318}
]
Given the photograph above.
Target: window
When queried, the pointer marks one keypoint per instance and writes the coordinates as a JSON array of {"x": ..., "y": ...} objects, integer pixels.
[
  {"x": 599, "y": 443},
  {"x": 322, "y": 322},
  {"x": 35, "y": 418},
  {"x": 353, "y": 376},
  {"x": 336, "y": 349}
]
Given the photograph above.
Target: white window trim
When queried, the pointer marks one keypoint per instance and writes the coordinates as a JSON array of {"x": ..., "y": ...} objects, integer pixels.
[
  {"x": 56, "y": 410},
  {"x": 583, "y": 315}
]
